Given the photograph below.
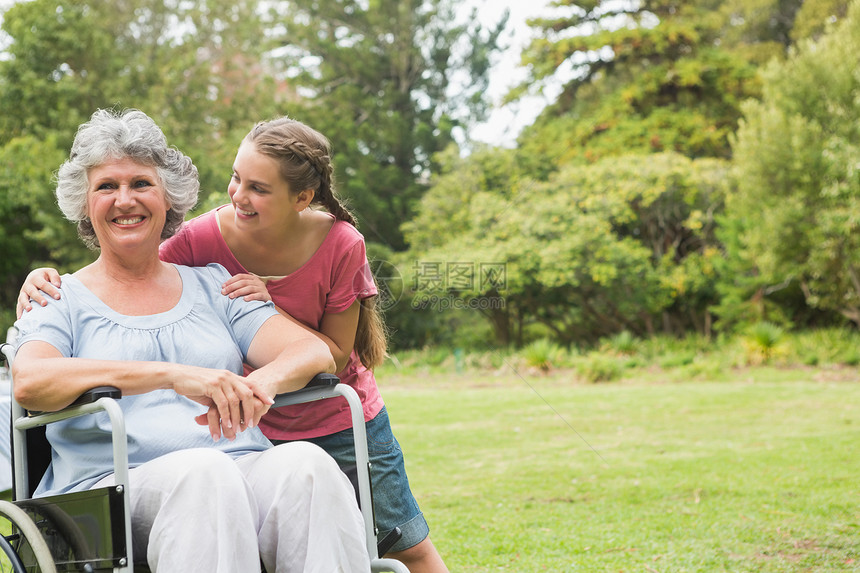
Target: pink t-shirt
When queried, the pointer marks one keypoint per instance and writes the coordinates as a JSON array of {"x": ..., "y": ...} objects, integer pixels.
[{"x": 334, "y": 277}]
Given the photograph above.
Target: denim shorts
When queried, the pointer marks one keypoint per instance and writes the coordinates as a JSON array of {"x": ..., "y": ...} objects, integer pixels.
[{"x": 393, "y": 502}]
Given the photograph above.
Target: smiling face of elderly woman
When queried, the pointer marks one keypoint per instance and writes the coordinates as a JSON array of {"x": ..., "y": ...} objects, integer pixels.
[
  {"x": 110, "y": 136},
  {"x": 126, "y": 205}
]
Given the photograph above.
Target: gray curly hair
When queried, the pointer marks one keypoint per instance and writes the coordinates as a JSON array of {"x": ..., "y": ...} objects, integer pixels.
[{"x": 118, "y": 135}]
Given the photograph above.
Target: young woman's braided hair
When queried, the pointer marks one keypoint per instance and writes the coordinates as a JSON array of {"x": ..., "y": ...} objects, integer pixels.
[{"x": 304, "y": 158}]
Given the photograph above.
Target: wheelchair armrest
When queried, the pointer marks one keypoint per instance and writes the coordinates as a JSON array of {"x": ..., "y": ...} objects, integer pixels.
[
  {"x": 321, "y": 379},
  {"x": 318, "y": 388},
  {"x": 99, "y": 399},
  {"x": 94, "y": 394},
  {"x": 88, "y": 397}
]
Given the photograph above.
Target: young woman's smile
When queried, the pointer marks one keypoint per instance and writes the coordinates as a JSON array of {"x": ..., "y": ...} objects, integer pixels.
[{"x": 257, "y": 191}]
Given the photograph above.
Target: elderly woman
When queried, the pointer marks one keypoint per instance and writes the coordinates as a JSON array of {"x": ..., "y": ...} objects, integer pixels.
[{"x": 208, "y": 492}]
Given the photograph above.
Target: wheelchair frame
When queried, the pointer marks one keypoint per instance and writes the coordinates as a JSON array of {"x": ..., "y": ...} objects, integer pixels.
[{"x": 104, "y": 399}]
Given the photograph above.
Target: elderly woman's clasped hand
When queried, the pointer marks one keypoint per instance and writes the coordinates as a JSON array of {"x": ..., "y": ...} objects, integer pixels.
[{"x": 235, "y": 403}]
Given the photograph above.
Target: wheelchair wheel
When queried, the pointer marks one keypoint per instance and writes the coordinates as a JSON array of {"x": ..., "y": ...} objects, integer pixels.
[
  {"x": 21, "y": 541},
  {"x": 9, "y": 560}
]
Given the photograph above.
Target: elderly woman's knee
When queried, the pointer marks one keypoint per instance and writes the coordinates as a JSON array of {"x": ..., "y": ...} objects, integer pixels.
[
  {"x": 200, "y": 471},
  {"x": 299, "y": 464},
  {"x": 309, "y": 458}
]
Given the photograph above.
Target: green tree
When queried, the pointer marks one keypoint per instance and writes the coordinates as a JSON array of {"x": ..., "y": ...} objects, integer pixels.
[
  {"x": 796, "y": 208},
  {"x": 197, "y": 68},
  {"x": 446, "y": 220},
  {"x": 388, "y": 82},
  {"x": 624, "y": 244},
  {"x": 32, "y": 233},
  {"x": 649, "y": 76},
  {"x": 48, "y": 81},
  {"x": 815, "y": 16}
]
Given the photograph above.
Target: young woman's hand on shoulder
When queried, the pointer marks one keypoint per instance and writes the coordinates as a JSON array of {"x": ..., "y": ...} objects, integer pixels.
[
  {"x": 38, "y": 285},
  {"x": 249, "y": 286}
]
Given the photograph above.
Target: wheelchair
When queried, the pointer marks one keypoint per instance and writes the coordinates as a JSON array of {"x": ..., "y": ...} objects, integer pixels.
[{"x": 90, "y": 531}]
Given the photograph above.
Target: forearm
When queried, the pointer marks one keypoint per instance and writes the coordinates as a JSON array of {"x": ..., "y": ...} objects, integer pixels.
[
  {"x": 50, "y": 384},
  {"x": 294, "y": 367}
]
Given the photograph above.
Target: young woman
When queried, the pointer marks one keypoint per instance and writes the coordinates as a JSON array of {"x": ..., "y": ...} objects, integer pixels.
[{"x": 311, "y": 262}]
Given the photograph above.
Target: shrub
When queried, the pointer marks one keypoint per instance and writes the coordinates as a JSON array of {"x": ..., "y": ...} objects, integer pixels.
[
  {"x": 677, "y": 359},
  {"x": 599, "y": 368},
  {"x": 623, "y": 343},
  {"x": 762, "y": 342},
  {"x": 543, "y": 354},
  {"x": 851, "y": 357},
  {"x": 827, "y": 346}
]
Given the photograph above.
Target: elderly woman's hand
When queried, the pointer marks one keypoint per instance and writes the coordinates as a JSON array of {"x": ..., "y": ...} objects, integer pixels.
[{"x": 234, "y": 405}]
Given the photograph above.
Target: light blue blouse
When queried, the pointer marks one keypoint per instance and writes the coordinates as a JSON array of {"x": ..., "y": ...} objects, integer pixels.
[{"x": 205, "y": 329}]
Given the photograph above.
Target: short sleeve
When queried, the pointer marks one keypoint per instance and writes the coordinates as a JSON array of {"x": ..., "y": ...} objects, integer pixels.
[
  {"x": 353, "y": 280},
  {"x": 51, "y": 323},
  {"x": 244, "y": 317}
]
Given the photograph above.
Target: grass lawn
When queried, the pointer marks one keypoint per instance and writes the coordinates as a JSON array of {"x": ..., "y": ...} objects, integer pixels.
[{"x": 759, "y": 471}]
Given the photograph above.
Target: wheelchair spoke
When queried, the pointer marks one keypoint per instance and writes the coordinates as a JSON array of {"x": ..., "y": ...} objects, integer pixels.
[
  {"x": 22, "y": 546},
  {"x": 9, "y": 559}
]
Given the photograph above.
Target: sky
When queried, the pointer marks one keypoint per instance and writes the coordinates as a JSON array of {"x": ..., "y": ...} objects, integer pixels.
[{"x": 506, "y": 122}]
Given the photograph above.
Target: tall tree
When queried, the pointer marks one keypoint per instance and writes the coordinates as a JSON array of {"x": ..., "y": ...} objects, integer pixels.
[
  {"x": 796, "y": 209},
  {"x": 30, "y": 230},
  {"x": 387, "y": 81},
  {"x": 650, "y": 75},
  {"x": 196, "y": 67}
]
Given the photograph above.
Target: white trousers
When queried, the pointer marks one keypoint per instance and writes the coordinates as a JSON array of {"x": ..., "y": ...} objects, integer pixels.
[{"x": 291, "y": 506}]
